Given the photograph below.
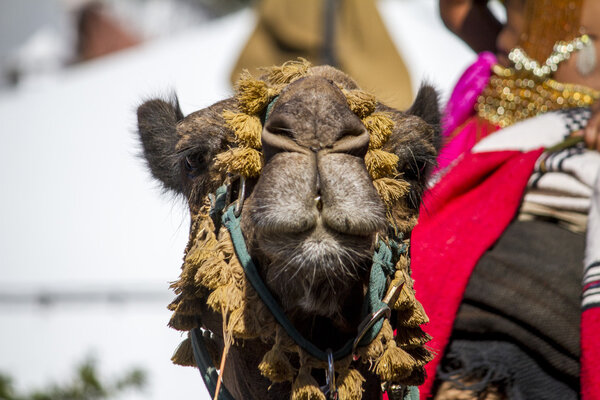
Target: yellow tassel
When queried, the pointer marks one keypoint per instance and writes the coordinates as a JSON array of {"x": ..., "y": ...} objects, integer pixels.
[
  {"x": 416, "y": 378},
  {"x": 252, "y": 94},
  {"x": 199, "y": 253},
  {"x": 413, "y": 317},
  {"x": 380, "y": 127},
  {"x": 387, "y": 332},
  {"x": 189, "y": 307},
  {"x": 402, "y": 217},
  {"x": 360, "y": 102},
  {"x": 225, "y": 244},
  {"x": 411, "y": 337},
  {"x": 288, "y": 72},
  {"x": 259, "y": 321},
  {"x": 184, "y": 355},
  {"x": 217, "y": 272},
  {"x": 381, "y": 163},
  {"x": 240, "y": 324},
  {"x": 406, "y": 299},
  {"x": 391, "y": 190},
  {"x": 175, "y": 303},
  {"x": 375, "y": 349},
  {"x": 183, "y": 322},
  {"x": 275, "y": 365},
  {"x": 237, "y": 275},
  {"x": 305, "y": 387},
  {"x": 421, "y": 355},
  {"x": 404, "y": 262},
  {"x": 183, "y": 289},
  {"x": 394, "y": 364},
  {"x": 212, "y": 273},
  {"x": 229, "y": 297},
  {"x": 241, "y": 160},
  {"x": 247, "y": 128},
  {"x": 372, "y": 351},
  {"x": 350, "y": 384}
]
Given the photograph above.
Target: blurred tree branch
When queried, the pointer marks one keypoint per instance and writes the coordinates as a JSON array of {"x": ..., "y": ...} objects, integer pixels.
[{"x": 85, "y": 385}]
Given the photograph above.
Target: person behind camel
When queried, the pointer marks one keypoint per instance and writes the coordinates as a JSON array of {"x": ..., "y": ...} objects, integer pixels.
[{"x": 512, "y": 213}]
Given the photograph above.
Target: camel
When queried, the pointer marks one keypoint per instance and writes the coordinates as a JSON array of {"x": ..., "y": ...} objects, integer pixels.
[{"x": 319, "y": 179}]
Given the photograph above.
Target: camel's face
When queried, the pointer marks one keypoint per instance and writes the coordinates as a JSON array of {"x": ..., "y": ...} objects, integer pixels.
[
  {"x": 314, "y": 211},
  {"x": 312, "y": 215}
]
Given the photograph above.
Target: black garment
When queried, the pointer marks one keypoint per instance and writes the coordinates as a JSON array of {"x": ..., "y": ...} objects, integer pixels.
[
  {"x": 524, "y": 295},
  {"x": 504, "y": 365}
]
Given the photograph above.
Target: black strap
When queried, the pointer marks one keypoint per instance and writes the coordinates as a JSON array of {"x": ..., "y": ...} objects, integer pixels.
[{"x": 208, "y": 372}]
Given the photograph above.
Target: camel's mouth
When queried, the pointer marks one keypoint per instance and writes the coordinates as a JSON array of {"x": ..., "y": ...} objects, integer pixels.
[
  {"x": 316, "y": 265},
  {"x": 314, "y": 233}
]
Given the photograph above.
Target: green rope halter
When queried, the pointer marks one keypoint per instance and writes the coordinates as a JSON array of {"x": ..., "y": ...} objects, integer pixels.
[{"x": 384, "y": 258}]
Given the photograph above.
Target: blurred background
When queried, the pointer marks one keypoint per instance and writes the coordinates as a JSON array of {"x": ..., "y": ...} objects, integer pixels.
[{"x": 88, "y": 242}]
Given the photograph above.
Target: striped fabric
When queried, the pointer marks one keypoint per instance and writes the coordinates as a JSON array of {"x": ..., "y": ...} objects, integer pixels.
[{"x": 591, "y": 286}]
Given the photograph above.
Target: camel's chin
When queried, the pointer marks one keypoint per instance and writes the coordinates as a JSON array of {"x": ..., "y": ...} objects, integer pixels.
[{"x": 309, "y": 270}]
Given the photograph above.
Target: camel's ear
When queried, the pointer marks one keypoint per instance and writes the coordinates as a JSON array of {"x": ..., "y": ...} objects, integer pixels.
[
  {"x": 426, "y": 107},
  {"x": 157, "y": 122}
]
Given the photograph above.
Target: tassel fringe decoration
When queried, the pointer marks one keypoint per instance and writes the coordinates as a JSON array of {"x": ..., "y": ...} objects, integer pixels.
[
  {"x": 184, "y": 355},
  {"x": 288, "y": 72},
  {"x": 350, "y": 385},
  {"x": 252, "y": 94},
  {"x": 391, "y": 190},
  {"x": 247, "y": 128},
  {"x": 381, "y": 164},
  {"x": 360, "y": 102},
  {"x": 305, "y": 387},
  {"x": 243, "y": 161},
  {"x": 380, "y": 127},
  {"x": 275, "y": 365},
  {"x": 212, "y": 275}
]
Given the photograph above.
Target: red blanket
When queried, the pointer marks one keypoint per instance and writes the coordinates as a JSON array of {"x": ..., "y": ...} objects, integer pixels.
[{"x": 461, "y": 217}]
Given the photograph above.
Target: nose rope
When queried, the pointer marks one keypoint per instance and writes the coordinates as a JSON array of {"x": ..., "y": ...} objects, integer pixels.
[{"x": 269, "y": 109}]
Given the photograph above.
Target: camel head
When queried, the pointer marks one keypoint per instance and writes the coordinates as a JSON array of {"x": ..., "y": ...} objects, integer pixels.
[{"x": 327, "y": 172}]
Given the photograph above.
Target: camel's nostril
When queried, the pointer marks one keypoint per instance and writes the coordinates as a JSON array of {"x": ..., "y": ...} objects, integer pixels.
[{"x": 318, "y": 203}]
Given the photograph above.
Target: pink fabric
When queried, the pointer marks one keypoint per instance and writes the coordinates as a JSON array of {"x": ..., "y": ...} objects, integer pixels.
[
  {"x": 461, "y": 217},
  {"x": 461, "y": 107},
  {"x": 467, "y": 90},
  {"x": 473, "y": 131},
  {"x": 590, "y": 354}
]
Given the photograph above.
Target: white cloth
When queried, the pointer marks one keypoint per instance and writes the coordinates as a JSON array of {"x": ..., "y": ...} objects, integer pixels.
[{"x": 563, "y": 180}]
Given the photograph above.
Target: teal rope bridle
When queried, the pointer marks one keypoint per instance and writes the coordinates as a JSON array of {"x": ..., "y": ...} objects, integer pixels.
[{"x": 374, "y": 308}]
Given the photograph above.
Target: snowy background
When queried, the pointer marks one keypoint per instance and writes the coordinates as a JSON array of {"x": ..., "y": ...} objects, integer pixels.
[{"x": 88, "y": 243}]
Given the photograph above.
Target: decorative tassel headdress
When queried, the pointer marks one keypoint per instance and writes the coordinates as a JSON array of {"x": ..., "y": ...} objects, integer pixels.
[
  {"x": 212, "y": 272},
  {"x": 552, "y": 33}
]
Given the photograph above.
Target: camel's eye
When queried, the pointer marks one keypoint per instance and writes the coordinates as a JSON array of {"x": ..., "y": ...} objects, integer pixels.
[{"x": 194, "y": 163}]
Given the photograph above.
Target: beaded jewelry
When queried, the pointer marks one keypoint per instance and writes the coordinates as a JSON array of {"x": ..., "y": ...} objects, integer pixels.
[
  {"x": 514, "y": 95},
  {"x": 562, "y": 51}
]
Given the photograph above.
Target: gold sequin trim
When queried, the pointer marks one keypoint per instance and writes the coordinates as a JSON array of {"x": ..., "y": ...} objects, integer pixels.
[{"x": 512, "y": 96}]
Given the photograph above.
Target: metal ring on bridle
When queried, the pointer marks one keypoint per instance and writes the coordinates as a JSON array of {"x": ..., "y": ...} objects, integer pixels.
[
  {"x": 382, "y": 312},
  {"x": 330, "y": 376},
  {"x": 242, "y": 194}
]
